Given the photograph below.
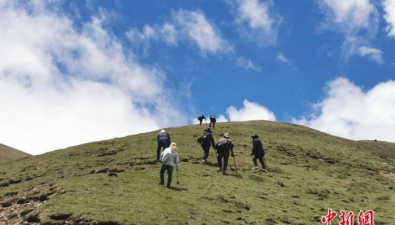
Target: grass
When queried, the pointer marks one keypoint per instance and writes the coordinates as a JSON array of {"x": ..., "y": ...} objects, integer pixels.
[
  {"x": 8, "y": 154},
  {"x": 309, "y": 172}
]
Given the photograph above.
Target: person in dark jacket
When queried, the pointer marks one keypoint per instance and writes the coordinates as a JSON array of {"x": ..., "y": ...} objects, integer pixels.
[
  {"x": 201, "y": 118},
  {"x": 258, "y": 152},
  {"x": 163, "y": 140},
  {"x": 206, "y": 141},
  {"x": 212, "y": 120},
  {"x": 224, "y": 148}
]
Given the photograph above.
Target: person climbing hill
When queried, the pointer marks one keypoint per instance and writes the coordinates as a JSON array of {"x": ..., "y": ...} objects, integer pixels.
[
  {"x": 206, "y": 141},
  {"x": 201, "y": 118},
  {"x": 169, "y": 157},
  {"x": 224, "y": 147},
  {"x": 212, "y": 121},
  {"x": 163, "y": 140},
  {"x": 258, "y": 152}
]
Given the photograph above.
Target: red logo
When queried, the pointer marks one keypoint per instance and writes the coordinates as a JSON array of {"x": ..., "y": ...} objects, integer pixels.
[
  {"x": 328, "y": 218},
  {"x": 366, "y": 218},
  {"x": 346, "y": 219}
]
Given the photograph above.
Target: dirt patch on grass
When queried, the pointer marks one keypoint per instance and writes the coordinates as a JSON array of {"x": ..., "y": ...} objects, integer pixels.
[
  {"x": 19, "y": 207},
  {"x": 231, "y": 202},
  {"x": 105, "y": 152},
  {"x": 285, "y": 151},
  {"x": 390, "y": 176},
  {"x": 107, "y": 170}
]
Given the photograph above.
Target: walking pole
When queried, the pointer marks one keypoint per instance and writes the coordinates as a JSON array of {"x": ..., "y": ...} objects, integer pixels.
[
  {"x": 177, "y": 177},
  {"x": 234, "y": 162}
]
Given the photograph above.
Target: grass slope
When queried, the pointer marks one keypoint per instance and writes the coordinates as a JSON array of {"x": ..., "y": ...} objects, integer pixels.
[
  {"x": 116, "y": 181},
  {"x": 8, "y": 154}
]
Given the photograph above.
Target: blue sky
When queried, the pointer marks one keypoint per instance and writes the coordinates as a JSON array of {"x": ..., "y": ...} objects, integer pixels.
[
  {"x": 314, "y": 54},
  {"x": 77, "y": 65}
]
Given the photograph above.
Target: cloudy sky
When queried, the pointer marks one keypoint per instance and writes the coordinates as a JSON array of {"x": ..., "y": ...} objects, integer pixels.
[{"x": 77, "y": 71}]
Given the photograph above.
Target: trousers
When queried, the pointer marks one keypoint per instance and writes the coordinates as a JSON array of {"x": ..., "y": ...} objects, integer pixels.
[
  {"x": 223, "y": 154},
  {"x": 161, "y": 144},
  {"x": 169, "y": 173}
]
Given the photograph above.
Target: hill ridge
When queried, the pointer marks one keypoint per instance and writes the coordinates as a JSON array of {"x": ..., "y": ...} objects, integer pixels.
[
  {"x": 116, "y": 181},
  {"x": 8, "y": 154}
]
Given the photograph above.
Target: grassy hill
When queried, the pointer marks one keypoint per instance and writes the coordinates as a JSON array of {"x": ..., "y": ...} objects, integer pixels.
[
  {"x": 8, "y": 154},
  {"x": 116, "y": 181}
]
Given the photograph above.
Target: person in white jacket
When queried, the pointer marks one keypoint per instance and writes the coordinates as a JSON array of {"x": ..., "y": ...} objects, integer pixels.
[{"x": 168, "y": 157}]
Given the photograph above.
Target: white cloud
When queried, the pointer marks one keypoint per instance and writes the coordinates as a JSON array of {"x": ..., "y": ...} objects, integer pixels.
[
  {"x": 185, "y": 25},
  {"x": 258, "y": 22},
  {"x": 357, "y": 20},
  {"x": 247, "y": 64},
  {"x": 143, "y": 38},
  {"x": 352, "y": 13},
  {"x": 222, "y": 119},
  {"x": 166, "y": 33},
  {"x": 195, "y": 25},
  {"x": 373, "y": 53},
  {"x": 61, "y": 86},
  {"x": 282, "y": 58},
  {"x": 169, "y": 34},
  {"x": 350, "y": 112},
  {"x": 250, "y": 111},
  {"x": 389, "y": 8}
]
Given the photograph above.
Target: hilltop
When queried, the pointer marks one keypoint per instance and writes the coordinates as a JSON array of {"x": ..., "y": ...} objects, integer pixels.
[
  {"x": 8, "y": 154},
  {"x": 116, "y": 181}
]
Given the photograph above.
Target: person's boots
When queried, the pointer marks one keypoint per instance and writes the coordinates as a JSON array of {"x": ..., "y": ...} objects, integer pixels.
[
  {"x": 168, "y": 185},
  {"x": 219, "y": 170}
]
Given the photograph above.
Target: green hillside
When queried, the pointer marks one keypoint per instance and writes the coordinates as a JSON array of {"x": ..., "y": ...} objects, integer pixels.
[
  {"x": 8, "y": 154},
  {"x": 116, "y": 181}
]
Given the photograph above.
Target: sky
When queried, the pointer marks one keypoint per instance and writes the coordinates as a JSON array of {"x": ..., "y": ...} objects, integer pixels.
[{"x": 78, "y": 71}]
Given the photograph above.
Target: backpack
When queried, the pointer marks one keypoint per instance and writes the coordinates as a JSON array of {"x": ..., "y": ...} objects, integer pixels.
[
  {"x": 203, "y": 139},
  {"x": 221, "y": 145}
]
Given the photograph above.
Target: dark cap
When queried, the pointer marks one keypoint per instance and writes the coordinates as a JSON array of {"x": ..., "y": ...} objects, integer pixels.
[
  {"x": 208, "y": 130},
  {"x": 255, "y": 136}
]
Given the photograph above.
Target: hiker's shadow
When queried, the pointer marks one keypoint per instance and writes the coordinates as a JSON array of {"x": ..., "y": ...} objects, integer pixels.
[
  {"x": 234, "y": 175},
  {"x": 178, "y": 189},
  {"x": 211, "y": 164}
]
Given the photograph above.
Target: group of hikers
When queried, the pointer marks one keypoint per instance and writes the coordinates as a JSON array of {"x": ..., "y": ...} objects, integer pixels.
[
  {"x": 212, "y": 120},
  {"x": 224, "y": 148}
]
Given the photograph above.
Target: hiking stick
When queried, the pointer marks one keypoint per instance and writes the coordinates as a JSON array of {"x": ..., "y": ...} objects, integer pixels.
[
  {"x": 234, "y": 162},
  {"x": 177, "y": 177}
]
